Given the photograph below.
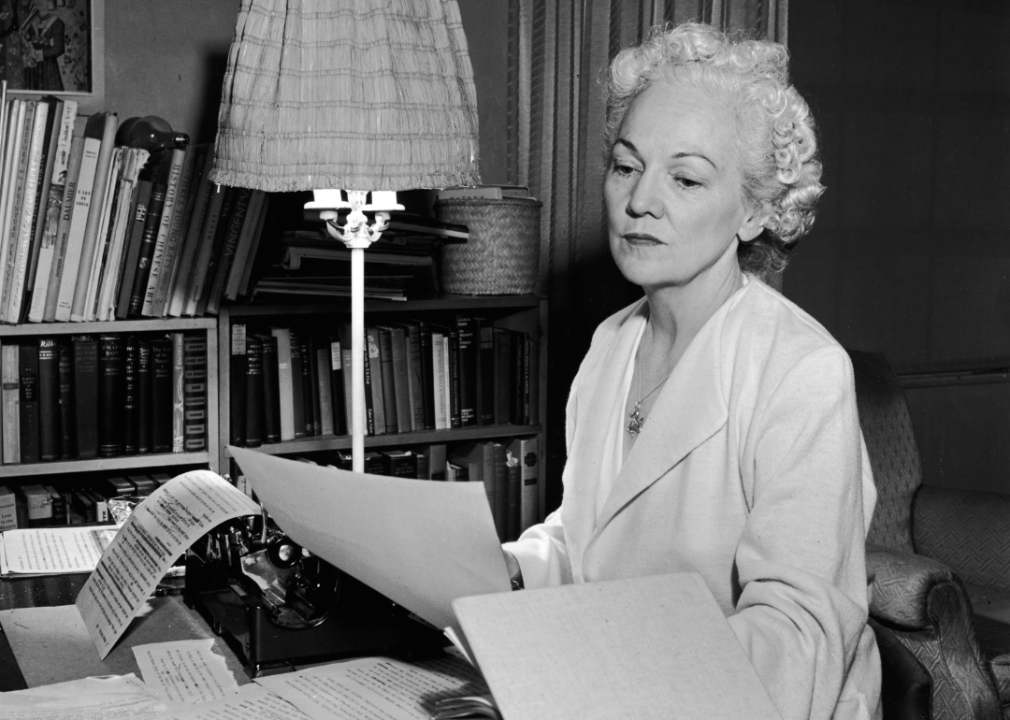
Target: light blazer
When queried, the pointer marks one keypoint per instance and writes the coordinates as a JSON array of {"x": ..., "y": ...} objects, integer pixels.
[{"x": 751, "y": 471}]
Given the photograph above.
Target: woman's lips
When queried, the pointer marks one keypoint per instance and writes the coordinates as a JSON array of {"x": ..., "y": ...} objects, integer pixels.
[{"x": 641, "y": 239}]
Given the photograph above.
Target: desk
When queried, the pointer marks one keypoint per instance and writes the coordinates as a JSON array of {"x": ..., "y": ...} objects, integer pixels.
[{"x": 27, "y": 593}]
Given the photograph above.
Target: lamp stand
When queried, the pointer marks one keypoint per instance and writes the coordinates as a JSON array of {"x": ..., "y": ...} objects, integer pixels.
[{"x": 358, "y": 235}]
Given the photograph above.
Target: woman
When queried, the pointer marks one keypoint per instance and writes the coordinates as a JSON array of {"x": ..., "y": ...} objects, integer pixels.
[{"x": 712, "y": 426}]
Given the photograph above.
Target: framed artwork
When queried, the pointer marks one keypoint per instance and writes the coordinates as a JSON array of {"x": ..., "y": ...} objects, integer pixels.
[{"x": 54, "y": 47}]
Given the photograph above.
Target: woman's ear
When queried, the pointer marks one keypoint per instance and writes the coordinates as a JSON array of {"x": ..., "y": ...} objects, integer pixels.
[{"x": 752, "y": 225}]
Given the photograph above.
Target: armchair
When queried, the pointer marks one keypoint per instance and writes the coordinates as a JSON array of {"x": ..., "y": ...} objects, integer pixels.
[{"x": 933, "y": 555}]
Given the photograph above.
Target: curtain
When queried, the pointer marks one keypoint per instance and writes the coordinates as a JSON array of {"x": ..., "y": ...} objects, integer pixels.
[{"x": 558, "y": 50}]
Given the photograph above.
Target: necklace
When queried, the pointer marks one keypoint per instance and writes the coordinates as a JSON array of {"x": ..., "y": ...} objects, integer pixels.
[{"x": 636, "y": 420}]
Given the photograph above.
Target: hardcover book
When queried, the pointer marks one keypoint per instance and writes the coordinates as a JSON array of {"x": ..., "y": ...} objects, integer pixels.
[
  {"x": 340, "y": 425},
  {"x": 195, "y": 392},
  {"x": 159, "y": 256},
  {"x": 374, "y": 380},
  {"x": 270, "y": 394},
  {"x": 145, "y": 388},
  {"x": 131, "y": 422},
  {"x": 324, "y": 389},
  {"x": 67, "y": 428},
  {"x": 66, "y": 213},
  {"x": 237, "y": 385},
  {"x": 178, "y": 392},
  {"x": 286, "y": 383},
  {"x": 466, "y": 375},
  {"x": 28, "y": 383},
  {"x": 49, "y": 400},
  {"x": 257, "y": 394},
  {"x": 162, "y": 371},
  {"x": 111, "y": 395},
  {"x": 86, "y": 396},
  {"x": 389, "y": 399}
]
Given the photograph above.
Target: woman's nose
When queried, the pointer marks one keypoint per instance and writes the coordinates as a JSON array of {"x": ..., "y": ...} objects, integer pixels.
[{"x": 645, "y": 198}]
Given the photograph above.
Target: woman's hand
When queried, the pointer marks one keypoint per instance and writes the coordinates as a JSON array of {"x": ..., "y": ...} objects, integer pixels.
[{"x": 515, "y": 572}]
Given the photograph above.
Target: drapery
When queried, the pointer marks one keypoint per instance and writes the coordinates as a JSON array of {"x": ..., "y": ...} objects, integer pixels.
[{"x": 557, "y": 52}]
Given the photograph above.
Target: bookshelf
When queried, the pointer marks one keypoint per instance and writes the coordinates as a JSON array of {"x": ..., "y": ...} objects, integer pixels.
[
  {"x": 11, "y": 474},
  {"x": 523, "y": 313}
]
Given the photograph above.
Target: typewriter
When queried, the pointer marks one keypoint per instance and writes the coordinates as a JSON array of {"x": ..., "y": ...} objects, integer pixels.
[{"x": 279, "y": 607}]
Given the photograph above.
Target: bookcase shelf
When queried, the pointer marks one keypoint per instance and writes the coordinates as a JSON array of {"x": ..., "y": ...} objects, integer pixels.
[
  {"x": 525, "y": 313},
  {"x": 114, "y": 464},
  {"x": 424, "y": 437}
]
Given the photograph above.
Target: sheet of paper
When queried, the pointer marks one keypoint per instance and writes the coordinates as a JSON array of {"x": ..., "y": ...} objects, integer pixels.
[
  {"x": 53, "y": 551},
  {"x": 159, "y": 530},
  {"x": 252, "y": 702},
  {"x": 185, "y": 672},
  {"x": 120, "y": 697},
  {"x": 376, "y": 688},
  {"x": 422, "y": 544},
  {"x": 648, "y": 647}
]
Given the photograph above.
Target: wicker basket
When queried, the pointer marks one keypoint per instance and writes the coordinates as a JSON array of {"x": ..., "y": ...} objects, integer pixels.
[{"x": 500, "y": 258}]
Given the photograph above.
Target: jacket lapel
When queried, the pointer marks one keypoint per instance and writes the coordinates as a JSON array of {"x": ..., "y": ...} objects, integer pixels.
[{"x": 690, "y": 408}]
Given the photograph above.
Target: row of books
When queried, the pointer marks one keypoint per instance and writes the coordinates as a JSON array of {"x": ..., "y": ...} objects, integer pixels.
[
  {"x": 93, "y": 229},
  {"x": 292, "y": 382},
  {"x": 95, "y": 396},
  {"x": 51, "y": 505},
  {"x": 509, "y": 469}
]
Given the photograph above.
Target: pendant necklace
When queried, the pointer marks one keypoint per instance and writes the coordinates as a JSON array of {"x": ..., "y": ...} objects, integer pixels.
[{"x": 636, "y": 419}]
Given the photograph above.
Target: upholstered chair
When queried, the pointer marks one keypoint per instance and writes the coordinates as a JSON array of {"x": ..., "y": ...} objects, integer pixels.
[{"x": 940, "y": 563}]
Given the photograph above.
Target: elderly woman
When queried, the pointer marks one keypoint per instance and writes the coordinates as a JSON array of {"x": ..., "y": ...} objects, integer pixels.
[{"x": 712, "y": 426}]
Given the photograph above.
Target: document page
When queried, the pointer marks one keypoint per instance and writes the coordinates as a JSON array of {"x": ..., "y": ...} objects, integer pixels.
[
  {"x": 648, "y": 647},
  {"x": 251, "y": 702},
  {"x": 53, "y": 551},
  {"x": 185, "y": 672},
  {"x": 376, "y": 688},
  {"x": 158, "y": 531},
  {"x": 118, "y": 697},
  {"x": 421, "y": 544}
]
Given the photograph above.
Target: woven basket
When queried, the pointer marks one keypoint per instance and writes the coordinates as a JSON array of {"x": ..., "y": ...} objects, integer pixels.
[{"x": 500, "y": 258}]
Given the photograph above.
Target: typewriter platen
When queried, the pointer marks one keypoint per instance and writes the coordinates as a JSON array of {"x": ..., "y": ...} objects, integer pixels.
[{"x": 278, "y": 606}]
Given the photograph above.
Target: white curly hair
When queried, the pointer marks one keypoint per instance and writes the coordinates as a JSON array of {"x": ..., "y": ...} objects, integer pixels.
[{"x": 777, "y": 144}]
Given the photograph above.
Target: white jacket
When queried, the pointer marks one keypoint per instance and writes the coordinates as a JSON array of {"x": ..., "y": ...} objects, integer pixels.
[{"x": 750, "y": 470}]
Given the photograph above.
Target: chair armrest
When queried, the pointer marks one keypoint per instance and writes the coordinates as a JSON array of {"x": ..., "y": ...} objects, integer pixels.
[
  {"x": 906, "y": 689},
  {"x": 900, "y": 583},
  {"x": 1000, "y": 666},
  {"x": 967, "y": 531}
]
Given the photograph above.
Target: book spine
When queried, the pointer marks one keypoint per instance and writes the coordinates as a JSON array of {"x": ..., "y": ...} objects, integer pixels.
[
  {"x": 502, "y": 375},
  {"x": 131, "y": 424},
  {"x": 298, "y": 385},
  {"x": 204, "y": 257},
  {"x": 337, "y": 388},
  {"x": 237, "y": 371},
  {"x": 389, "y": 403},
  {"x": 161, "y": 394},
  {"x": 255, "y": 392},
  {"x": 178, "y": 225},
  {"x": 455, "y": 409},
  {"x": 401, "y": 380},
  {"x": 195, "y": 392},
  {"x": 68, "y": 448},
  {"x": 285, "y": 383},
  {"x": 86, "y": 396},
  {"x": 427, "y": 375},
  {"x": 467, "y": 370},
  {"x": 111, "y": 393},
  {"x": 176, "y": 159},
  {"x": 310, "y": 385},
  {"x": 11, "y": 398},
  {"x": 8, "y": 190},
  {"x": 101, "y": 248},
  {"x": 441, "y": 410},
  {"x": 108, "y": 122},
  {"x": 324, "y": 389},
  {"x": 146, "y": 251},
  {"x": 22, "y": 250},
  {"x": 231, "y": 195},
  {"x": 132, "y": 257},
  {"x": 49, "y": 400},
  {"x": 485, "y": 374},
  {"x": 499, "y": 471},
  {"x": 373, "y": 381},
  {"x": 178, "y": 392},
  {"x": 270, "y": 404},
  {"x": 145, "y": 388},
  {"x": 19, "y": 208},
  {"x": 63, "y": 232},
  {"x": 229, "y": 245},
  {"x": 75, "y": 233},
  {"x": 530, "y": 495},
  {"x": 346, "y": 358},
  {"x": 415, "y": 381},
  {"x": 28, "y": 382},
  {"x": 191, "y": 241}
]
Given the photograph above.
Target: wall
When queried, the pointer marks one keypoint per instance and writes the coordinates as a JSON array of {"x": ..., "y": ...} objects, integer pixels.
[
  {"x": 909, "y": 255},
  {"x": 168, "y": 58}
]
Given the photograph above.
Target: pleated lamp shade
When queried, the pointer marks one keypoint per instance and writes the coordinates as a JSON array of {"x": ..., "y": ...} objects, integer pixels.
[{"x": 350, "y": 94}]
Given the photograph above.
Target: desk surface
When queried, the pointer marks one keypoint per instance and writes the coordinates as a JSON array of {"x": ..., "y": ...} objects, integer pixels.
[{"x": 26, "y": 593}]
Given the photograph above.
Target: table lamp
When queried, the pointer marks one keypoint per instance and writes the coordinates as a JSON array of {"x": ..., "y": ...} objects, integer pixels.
[{"x": 354, "y": 100}]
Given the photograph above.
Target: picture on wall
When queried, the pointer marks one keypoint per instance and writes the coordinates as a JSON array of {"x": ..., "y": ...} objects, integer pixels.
[{"x": 46, "y": 46}]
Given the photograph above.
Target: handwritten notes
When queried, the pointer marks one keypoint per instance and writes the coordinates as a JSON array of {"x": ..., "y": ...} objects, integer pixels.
[
  {"x": 53, "y": 551},
  {"x": 159, "y": 530}
]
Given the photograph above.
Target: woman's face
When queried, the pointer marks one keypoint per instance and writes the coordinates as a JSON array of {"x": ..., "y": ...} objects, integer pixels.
[{"x": 674, "y": 189}]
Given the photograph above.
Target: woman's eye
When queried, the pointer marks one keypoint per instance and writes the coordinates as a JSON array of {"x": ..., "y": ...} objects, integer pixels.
[
  {"x": 619, "y": 168},
  {"x": 686, "y": 182}
]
